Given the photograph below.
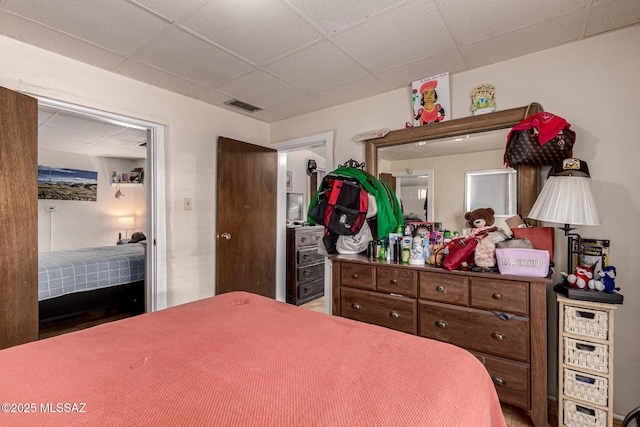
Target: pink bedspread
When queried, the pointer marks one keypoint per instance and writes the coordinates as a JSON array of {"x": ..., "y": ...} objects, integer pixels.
[{"x": 243, "y": 360}]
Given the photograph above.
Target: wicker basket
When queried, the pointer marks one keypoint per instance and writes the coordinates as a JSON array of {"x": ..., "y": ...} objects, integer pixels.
[
  {"x": 586, "y": 355},
  {"x": 589, "y": 388},
  {"x": 576, "y": 415},
  {"x": 586, "y": 322}
]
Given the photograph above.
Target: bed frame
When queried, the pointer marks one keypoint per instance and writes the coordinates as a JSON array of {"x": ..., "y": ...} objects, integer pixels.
[{"x": 127, "y": 298}]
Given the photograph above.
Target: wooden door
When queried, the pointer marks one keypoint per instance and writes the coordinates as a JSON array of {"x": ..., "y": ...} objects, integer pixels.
[
  {"x": 246, "y": 212},
  {"x": 18, "y": 218},
  {"x": 389, "y": 179}
]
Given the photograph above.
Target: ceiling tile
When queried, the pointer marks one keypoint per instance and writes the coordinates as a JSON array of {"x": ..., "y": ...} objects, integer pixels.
[
  {"x": 77, "y": 128},
  {"x": 185, "y": 55},
  {"x": 151, "y": 75},
  {"x": 354, "y": 90},
  {"x": 213, "y": 97},
  {"x": 300, "y": 106},
  {"x": 332, "y": 15},
  {"x": 473, "y": 20},
  {"x": 610, "y": 15},
  {"x": 173, "y": 10},
  {"x": 261, "y": 89},
  {"x": 55, "y": 41},
  {"x": 398, "y": 36},
  {"x": 317, "y": 67},
  {"x": 403, "y": 75},
  {"x": 113, "y": 24},
  {"x": 267, "y": 116},
  {"x": 527, "y": 40},
  {"x": 258, "y": 30}
]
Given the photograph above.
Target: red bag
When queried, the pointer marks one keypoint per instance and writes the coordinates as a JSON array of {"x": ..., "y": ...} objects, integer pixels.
[
  {"x": 462, "y": 251},
  {"x": 540, "y": 237}
]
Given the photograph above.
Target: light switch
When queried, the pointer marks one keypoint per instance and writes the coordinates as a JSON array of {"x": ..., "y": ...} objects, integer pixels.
[{"x": 187, "y": 203}]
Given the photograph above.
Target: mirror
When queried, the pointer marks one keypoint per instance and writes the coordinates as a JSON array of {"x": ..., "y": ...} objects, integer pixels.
[{"x": 443, "y": 140}]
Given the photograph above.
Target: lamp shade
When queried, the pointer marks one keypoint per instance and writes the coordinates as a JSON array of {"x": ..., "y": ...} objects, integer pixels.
[
  {"x": 566, "y": 200},
  {"x": 126, "y": 222}
]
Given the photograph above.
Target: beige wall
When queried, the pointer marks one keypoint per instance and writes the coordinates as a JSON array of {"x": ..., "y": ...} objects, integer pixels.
[
  {"x": 192, "y": 128},
  {"x": 594, "y": 85}
]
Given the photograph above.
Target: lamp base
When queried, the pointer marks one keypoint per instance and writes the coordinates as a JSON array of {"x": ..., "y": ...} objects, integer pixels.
[{"x": 588, "y": 294}]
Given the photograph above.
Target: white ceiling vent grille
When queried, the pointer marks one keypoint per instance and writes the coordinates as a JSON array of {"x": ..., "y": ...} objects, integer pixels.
[{"x": 243, "y": 105}]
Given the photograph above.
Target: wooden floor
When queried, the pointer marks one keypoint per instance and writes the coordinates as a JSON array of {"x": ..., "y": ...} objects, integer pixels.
[{"x": 515, "y": 417}]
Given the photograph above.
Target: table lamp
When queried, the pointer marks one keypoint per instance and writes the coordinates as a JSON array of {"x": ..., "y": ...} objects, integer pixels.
[
  {"x": 567, "y": 198},
  {"x": 127, "y": 223}
]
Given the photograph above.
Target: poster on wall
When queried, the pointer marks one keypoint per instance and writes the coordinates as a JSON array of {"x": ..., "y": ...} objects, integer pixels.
[
  {"x": 67, "y": 184},
  {"x": 431, "y": 100}
]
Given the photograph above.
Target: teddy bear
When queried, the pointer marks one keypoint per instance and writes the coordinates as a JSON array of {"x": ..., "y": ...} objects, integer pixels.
[
  {"x": 580, "y": 278},
  {"x": 481, "y": 217},
  {"x": 607, "y": 281}
]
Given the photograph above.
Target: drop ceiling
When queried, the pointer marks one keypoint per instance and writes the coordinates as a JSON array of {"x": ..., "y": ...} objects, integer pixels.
[{"x": 292, "y": 57}]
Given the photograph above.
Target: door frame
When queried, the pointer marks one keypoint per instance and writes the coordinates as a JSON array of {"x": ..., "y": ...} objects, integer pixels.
[
  {"x": 156, "y": 266},
  {"x": 413, "y": 173},
  {"x": 283, "y": 147}
]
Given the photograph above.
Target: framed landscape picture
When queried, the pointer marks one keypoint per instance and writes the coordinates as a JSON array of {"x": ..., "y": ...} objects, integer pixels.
[{"x": 67, "y": 184}]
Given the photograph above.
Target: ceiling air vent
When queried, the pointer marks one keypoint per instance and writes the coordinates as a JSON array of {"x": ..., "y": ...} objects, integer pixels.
[{"x": 243, "y": 105}]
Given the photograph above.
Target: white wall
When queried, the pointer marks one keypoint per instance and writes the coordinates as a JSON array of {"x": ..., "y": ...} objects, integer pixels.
[
  {"x": 192, "y": 129},
  {"x": 81, "y": 224},
  {"x": 593, "y": 84}
]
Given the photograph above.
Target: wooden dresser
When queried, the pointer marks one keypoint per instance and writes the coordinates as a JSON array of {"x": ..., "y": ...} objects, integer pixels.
[
  {"x": 305, "y": 266},
  {"x": 501, "y": 319}
]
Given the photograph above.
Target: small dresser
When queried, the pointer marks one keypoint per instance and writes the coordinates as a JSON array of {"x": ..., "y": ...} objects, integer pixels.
[
  {"x": 305, "y": 266},
  {"x": 500, "y": 319},
  {"x": 585, "y": 365}
]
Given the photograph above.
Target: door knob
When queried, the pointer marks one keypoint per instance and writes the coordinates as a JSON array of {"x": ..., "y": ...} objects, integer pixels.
[{"x": 226, "y": 236}]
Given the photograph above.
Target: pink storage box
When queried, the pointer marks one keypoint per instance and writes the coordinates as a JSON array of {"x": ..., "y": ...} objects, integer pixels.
[{"x": 523, "y": 262}]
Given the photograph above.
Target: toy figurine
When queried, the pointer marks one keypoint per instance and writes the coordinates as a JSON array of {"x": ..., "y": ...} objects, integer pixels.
[
  {"x": 417, "y": 251},
  {"x": 607, "y": 281},
  {"x": 580, "y": 278}
]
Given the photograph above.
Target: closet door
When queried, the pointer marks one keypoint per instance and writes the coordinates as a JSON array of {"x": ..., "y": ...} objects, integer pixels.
[{"x": 18, "y": 218}]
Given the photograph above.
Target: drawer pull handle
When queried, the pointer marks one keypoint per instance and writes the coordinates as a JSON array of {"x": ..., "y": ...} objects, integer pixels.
[
  {"x": 356, "y": 306},
  {"x": 498, "y": 336},
  {"x": 305, "y": 289},
  {"x": 394, "y": 314},
  {"x": 306, "y": 272},
  {"x": 394, "y": 282},
  {"x": 317, "y": 237},
  {"x": 499, "y": 381},
  {"x": 305, "y": 256},
  {"x": 354, "y": 275},
  {"x": 441, "y": 289},
  {"x": 497, "y": 296},
  {"x": 442, "y": 324},
  {"x": 304, "y": 239}
]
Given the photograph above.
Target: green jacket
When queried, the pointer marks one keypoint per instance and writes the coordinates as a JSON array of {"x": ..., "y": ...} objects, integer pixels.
[{"x": 389, "y": 214}]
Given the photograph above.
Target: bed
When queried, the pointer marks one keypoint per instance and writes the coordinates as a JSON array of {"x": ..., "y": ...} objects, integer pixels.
[
  {"x": 72, "y": 282},
  {"x": 240, "y": 359}
]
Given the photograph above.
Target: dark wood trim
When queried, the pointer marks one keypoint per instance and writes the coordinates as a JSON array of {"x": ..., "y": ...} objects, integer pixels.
[{"x": 528, "y": 176}]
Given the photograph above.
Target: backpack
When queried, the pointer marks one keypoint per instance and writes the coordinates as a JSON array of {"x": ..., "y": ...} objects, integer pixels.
[{"x": 342, "y": 205}]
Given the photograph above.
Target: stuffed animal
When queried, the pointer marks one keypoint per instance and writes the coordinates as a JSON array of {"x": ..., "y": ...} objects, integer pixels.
[
  {"x": 580, "y": 278},
  {"x": 481, "y": 217},
  {"x": 607, "y": 281}
]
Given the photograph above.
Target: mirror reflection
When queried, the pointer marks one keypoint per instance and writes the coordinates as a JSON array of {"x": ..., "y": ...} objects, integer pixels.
[{"x": 437, "y": 169}]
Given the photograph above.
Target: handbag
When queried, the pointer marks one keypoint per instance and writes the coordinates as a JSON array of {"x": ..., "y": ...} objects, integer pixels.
[
  {"x": 540, "y": 140},
  {"x": 462, "y": 251}
]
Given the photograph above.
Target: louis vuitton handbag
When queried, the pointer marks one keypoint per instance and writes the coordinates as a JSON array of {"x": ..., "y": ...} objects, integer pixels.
[{"x": 540, "y": 140}]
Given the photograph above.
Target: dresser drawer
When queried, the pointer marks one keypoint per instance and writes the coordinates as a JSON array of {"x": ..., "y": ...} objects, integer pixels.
[
  {"x": 507, "y": 296},
  {"x": 476, "y": 330},
  {"x": 357, "y": 276},
  {"x": 510, "y": 378},
  {"x": 396, "y": 281},
  {"x": 311, "y": 272},
  {"x": 308, "y": 256},
  {"x": 444, "y": 288},
  {"x": 311, "y": 289},
  {"x": 307, "y": 238},
  {"x": 385, "y": 310}
]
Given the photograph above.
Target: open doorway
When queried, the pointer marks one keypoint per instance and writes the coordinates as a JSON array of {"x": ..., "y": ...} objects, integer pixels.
[
  {"x": 293, "y": 156},
  {"x": 118, "y": 162}
]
